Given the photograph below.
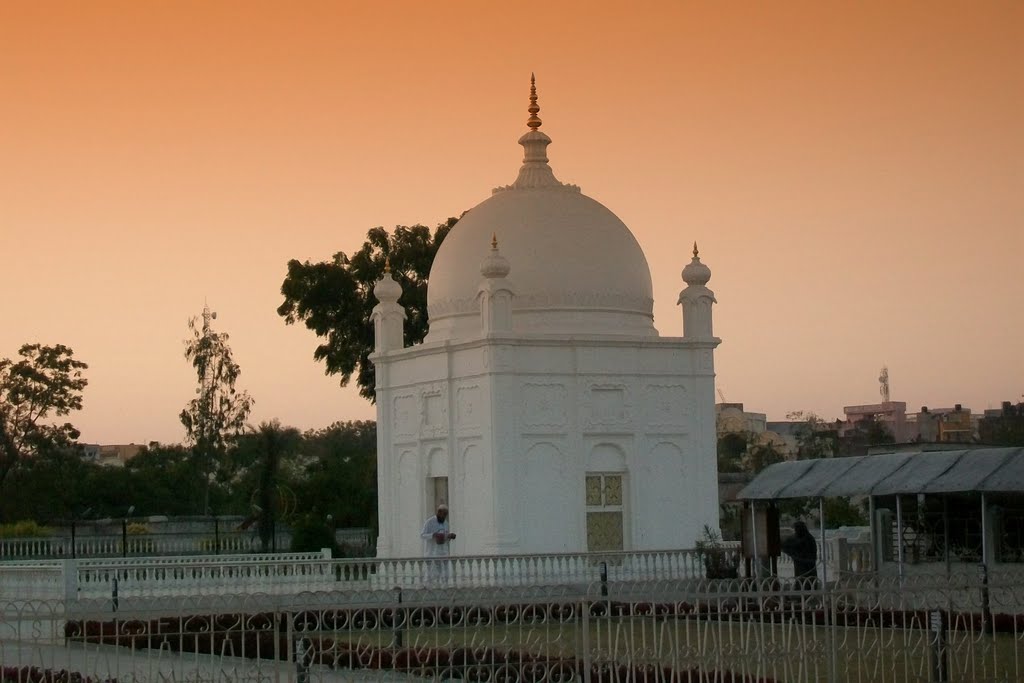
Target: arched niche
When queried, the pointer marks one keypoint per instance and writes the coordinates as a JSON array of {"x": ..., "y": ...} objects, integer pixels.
[{"x": 606, "y": 457}]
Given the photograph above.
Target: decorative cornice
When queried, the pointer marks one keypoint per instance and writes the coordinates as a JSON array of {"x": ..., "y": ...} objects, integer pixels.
[{"x": 559, "y": 300}]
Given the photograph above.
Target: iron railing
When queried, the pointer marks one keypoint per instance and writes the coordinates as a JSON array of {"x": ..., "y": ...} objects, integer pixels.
[{"x": 868, "y": 628}]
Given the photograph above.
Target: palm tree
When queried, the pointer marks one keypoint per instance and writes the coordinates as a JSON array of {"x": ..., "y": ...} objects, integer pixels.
[{"x": 274, "y": 443}]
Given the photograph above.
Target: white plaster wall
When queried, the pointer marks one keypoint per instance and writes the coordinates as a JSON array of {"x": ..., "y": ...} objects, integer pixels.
[
  {"x": 523, "y": 419},
  {"x": 546, "y": 493}
]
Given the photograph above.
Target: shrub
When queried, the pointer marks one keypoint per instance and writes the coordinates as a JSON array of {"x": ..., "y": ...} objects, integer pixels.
[{"x": 26, "y": 528}]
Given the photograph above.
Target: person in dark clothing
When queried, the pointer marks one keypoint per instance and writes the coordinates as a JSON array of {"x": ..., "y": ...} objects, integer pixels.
[{"x": 804, "y": 551}]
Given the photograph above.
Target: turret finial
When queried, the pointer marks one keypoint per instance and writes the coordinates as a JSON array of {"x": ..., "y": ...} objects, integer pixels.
[
  {"x": 534, "y": 121},
  {"x": 387, "y": 264},
  {"x": 494, "y": 240},
  {"x": 695, "y": 252}
]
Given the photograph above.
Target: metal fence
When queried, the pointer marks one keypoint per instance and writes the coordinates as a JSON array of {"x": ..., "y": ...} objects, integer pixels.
[
  {"x": 130, "y": 539},
  {"x": 869, "y": 628}
]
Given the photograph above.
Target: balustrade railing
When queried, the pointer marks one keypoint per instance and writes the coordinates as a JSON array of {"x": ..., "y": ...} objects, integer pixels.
[
  {"x": 145, "y": 545},
  {"x": 164, "y": 577},
  {"x": 125, "y": 540}
]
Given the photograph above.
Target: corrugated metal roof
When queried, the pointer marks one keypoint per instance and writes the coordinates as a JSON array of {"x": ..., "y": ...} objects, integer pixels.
[
  {"x": 916, "y": 474},
  {"x": 866, "y": 473},
  {"x": 773, "y": 479},
  {"x": 969, "y": 471},
  {"x": 1009, "y": 477},
  {"x": 979, "y": 469},
  {"x": 817, "y": 477}
]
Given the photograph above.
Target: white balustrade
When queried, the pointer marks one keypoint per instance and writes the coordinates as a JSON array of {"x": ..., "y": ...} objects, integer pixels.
[
  {"x": 155, "y": 577},
  {"x": 117, "y": 544},
  {"x": 31, "y": 581}
]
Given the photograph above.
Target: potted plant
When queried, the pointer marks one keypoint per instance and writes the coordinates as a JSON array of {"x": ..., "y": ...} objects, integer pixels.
[{"x": 719, "y": 561}]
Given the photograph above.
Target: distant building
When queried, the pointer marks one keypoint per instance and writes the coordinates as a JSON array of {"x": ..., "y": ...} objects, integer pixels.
[
  {"x": 784, "y": 435},
  {"x": 944, "y": 425},
  {"x": 891, "y": 414},
  {"x": 114, "y": 455},
  {"x": 730, "y": 418}
]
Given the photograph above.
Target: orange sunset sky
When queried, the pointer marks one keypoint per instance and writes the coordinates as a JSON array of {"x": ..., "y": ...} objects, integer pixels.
[{"x": 852, "y": 171}]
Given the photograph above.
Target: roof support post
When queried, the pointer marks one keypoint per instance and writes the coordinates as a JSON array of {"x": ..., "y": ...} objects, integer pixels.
[
  {"x": 827, "y": 602},
  {"x": 945, "y": 532},
  {"x": 899, "y": 535},
  {"x": 986, "y": 609},
  {"x": 753, "y": 539},
  {"x": 824, "y": 548},
  {"x": 874, "y": 535},
  {"x": 984, "y": 531}
]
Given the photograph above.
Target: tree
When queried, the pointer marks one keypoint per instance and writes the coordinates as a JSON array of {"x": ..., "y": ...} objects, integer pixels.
[
  {"x": 760, "y": 456},
  {"x": 169, "y": 480},
  {"x": 341, "y": 476},
  {"x": 50, "y": 486},
  {"x": 335, "y": 298},
  {"x": 47, "y": 382},
  {"x": 815, "y": 437},
  {"x": 219, "y": 411},
  {"x": 731, "y": 448},
  {"x": 275, "y": 443},
  {"x": 865, "y": 434}
]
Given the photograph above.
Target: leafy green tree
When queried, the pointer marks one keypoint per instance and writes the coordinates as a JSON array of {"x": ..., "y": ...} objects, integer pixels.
[
  {"x": 47, "y": 382},
  {"x": 311, "y": 532},
  {"x": 843, "y": 512},
  {"x": 815, "y": 437},
  {"x": 49, "y": 487},
  {"x": 275, "y": 443},
  {"x": 341, "y": 474},
  {"x": 170, "y": 480},
  {"x": 335, "y": 298},
  {"x": 865, "y": 434},
  {"x": 760, "y": 456},
  {"x": 219, "y": 410},
  {"x": 731, "y": 448}
]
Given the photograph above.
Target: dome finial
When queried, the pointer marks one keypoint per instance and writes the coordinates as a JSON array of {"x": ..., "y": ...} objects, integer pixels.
[
  {"x": 534, "y": 121},
  {"x": 696, "y": 273},
  {"x": 387, "y": 263},
  {"x": 494, "y": 265}
]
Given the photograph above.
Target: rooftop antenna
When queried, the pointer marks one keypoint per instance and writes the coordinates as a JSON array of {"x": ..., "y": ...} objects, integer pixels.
[
  {"x": 883, "y": 381},
  {"x": 208, "y": 315}
]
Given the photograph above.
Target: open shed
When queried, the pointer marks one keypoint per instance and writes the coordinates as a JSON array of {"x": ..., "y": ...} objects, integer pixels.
[{"x": 929, "y": 508}]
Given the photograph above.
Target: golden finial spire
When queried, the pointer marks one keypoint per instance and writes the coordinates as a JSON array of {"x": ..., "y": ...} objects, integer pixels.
[
  {"x": 695, "y": 250},
  {"x": 494, "y": 240},
  {"x": 534, "y": 121},
  {"x": 387, "y": 264}
]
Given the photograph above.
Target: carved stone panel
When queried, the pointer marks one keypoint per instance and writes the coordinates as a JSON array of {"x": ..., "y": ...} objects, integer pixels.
[
  {"x": 467, "y": 406},
  {"x": 435, "y": 412},
  {"x": 404, "y": 416},
  {"x": 666, "y": 405},
  {"x": 606, "y": 406},
  {"x": 707, "y": 361},
  {"x": 544, "y": 406}
]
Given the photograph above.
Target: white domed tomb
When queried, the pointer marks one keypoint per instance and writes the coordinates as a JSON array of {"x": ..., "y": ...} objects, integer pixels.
[{"x": 543, "y": 406}]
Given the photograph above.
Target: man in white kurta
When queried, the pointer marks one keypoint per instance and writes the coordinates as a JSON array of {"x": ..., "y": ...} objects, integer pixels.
[
  {"x": 437, "y": 538},
  {"x": 436, "y": 535}
]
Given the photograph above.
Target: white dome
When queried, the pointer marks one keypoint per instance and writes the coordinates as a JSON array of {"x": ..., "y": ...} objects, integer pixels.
[{"x": 577, "y": 267}]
